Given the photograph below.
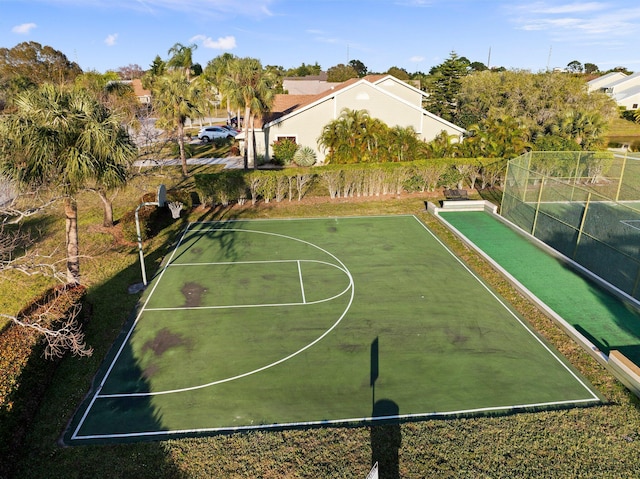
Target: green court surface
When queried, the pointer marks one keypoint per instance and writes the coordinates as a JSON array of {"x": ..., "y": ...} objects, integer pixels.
[
  {"x": 293, "y": 323},
  {"x": 601, "y": 317}
]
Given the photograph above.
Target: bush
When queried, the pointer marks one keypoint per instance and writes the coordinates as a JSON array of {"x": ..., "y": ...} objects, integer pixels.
[
  {"x": 25, "y": 374},
  {"x": 349, "y": 180},
  {"x": 147, "y": 217},
  {"x": 284, "y": 151},
  {"x": 182, "y": 196},
  {"x": 304, "y": 156}
]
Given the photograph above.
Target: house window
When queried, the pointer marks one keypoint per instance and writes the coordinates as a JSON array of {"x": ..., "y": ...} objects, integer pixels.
[
  {"x": 635, "y": 106},
  {"x": 292, "y": 138}
]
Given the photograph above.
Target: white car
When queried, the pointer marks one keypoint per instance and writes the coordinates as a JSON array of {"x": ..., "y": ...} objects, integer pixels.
[{"x": 210, "y": 133}]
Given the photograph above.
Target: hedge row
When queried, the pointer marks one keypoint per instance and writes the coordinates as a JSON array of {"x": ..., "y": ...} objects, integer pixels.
[
  {"x": 345, "y": 181},
  {"x": 24, "y": 373}
]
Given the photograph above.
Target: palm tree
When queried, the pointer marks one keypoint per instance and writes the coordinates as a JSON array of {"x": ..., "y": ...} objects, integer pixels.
[
  {"x": 354, "y": 137},
  {"x": 176, "y": 98},
  {"x": 182, "y": 57},
  {"x": 216, "y": 72},
  {"x": 64, "y": 137},
  {"x": 118, "y": 97},
  {"x": 249, "y": 86}
]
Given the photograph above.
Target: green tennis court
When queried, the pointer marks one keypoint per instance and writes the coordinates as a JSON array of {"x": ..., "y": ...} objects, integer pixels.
[
  {"x": 303, "y": 322},
  {"x": 601, "y": 317}
]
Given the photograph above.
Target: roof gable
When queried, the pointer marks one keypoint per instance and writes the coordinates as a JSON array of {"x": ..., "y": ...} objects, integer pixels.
[{"x": 287, "y": 107}]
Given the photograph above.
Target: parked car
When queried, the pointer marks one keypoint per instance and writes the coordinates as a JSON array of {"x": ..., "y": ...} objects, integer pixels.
[
  {"x": 210, "y": 133},
  {"x": 234, "y": 131},
  {"x": 233, "y": 122}
]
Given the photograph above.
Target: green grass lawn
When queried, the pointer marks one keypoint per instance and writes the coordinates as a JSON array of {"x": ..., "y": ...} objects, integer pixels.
[{"x": 582, "y": 442}]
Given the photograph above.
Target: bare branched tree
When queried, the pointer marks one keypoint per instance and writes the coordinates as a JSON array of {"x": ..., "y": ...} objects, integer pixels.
[
  {"x": 56, "y": 316},
  {"x": 57, "y": 320}
]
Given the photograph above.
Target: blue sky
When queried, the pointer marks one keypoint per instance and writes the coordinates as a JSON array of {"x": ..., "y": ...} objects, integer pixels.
[{"x": 411, "y": 34}]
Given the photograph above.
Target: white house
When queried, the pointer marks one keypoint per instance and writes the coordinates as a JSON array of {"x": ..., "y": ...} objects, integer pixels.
[
  {"x": 601, "y": 82},
  {"x": 624, "y": 89},
  {"x": 302, "y": 117}
]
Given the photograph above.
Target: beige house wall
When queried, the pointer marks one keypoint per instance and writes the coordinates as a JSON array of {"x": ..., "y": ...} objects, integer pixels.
[
  {"x": 305, "y": 127},
  {"x": 403, "y": 91},
  {"x": 401, "y": 109}
]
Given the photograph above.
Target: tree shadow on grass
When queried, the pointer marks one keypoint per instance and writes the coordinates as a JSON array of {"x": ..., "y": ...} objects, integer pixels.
[{"x": 41, "y": 454}]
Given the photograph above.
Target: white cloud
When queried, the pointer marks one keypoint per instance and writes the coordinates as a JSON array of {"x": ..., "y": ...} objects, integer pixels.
[
  {"x": 209, "y": 8},
  {"x": 111, "y": 39},
  {"x": 222, "y": 43},
  {"x": 416, "y": 59},
  {"x": 24, "y": 29},
  {"x": 576, "y": 7},
  {"x": 577, "y": 20}
]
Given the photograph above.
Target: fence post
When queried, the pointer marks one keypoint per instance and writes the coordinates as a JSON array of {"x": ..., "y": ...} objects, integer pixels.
[
  {"x": 535, "y": 218},
  {"x": 581, "y": 228},
  {"x": 624, "y": 165}
]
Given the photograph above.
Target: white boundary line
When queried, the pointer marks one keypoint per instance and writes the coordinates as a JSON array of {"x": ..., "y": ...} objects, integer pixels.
[
  {"x": 261, "y": 305},
  {"x": 630, "y": 225},
  {"x": 304, "y": 299},
  {"x": 594, "y": 398},
  {"x": 268, "y": 366},
  {"x": 335, "y": 422}
]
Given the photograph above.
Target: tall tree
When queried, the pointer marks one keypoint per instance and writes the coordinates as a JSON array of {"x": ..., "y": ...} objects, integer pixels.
[
  {"x": 181, "y": 57},
  {"x": 130, "y": 71},
  {"x": 156, "y": 70},
  {"x": 30, "y": 64},
  {"x": 66, "y": 138},
  {"x": 543, "y": 103},
  {"x": 216, "y": 71},
  {"x": 250, "y": 87},
  {"x": 176, "y": 98},
  {"x": 444, "y": 85},
  {"x": 359, "y": 67},
  {"x": 399, "y": 73},
  {"x": 575, "y": 67},
  {"x": 119, "y": 98},
  {"x": 341, "y": 72},
  {"x": 37, "y": 63},
  {"x": 304, "y": 70},
  {"x": 591, "y": 68}
]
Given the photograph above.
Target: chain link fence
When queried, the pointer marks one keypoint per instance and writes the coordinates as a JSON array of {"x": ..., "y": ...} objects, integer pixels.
[{"x": 586, "y": 205}]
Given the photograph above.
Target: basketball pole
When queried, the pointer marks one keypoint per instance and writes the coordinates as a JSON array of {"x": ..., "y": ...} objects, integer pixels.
[{"x": 161, "y": 200}]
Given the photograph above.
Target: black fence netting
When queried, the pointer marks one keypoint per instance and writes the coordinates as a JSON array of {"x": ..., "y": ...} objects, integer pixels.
[{"x": 586, "y": 205}]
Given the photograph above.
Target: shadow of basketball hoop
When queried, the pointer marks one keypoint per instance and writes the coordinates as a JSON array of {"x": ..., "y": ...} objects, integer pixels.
[{"x": 386, "y": 436}]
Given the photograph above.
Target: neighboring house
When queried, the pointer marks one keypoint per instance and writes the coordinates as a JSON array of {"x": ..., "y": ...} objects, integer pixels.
[
  {"x": 624, "y": 89},
  {"x": 601, "y": 82},
  {"x": 308, "y": 85},
  {"x": 302, "y": 117},
  {"x": 143, "y": 95}
]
